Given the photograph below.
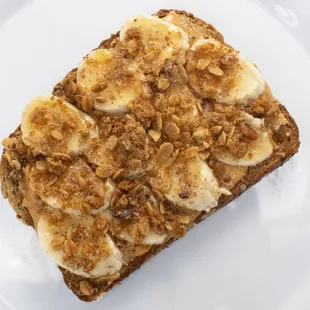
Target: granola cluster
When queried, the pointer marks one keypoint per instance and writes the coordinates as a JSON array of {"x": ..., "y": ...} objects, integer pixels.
[
  {"x": 83, "y": 242},
  {"x": 211, "y": 68}
]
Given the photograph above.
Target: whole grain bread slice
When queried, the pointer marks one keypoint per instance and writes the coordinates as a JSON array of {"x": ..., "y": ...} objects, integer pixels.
[{"x": 11, "y": 177}]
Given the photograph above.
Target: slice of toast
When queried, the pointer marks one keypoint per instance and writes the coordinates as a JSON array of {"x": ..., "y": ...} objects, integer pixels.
[{"x": 17, "y": 156}]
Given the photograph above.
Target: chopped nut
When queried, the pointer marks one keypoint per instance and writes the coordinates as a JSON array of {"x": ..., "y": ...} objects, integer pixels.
[
  {"x": 229, "y": 59},
  {"x": 97, "y": 87},
  {"x": 273, "y": 110},
  {"x": 183, "y": 73},
  {"x": 204, "y": 155},
  {"x": 177, "y": 119},
  {"x": 199, "y": 107},
  {"x": 132, "y": 47},
  {"x": 232, "y": 132},
  {"x": 172, "y": 131},
  {"x": 16, "y": 163},
  {"x": 159, "y": 121},
  {"x": 70, "y": 232},
  {"x": 230, "y": 111},
  {"x": 86, "y": 208},
  {"x": 175, "y": 155},
  {"x": 248, "y": 131},
  {"x": 118, "y": 174},
  {"x": 115, "y": 196},
  {"x": 206, "y": 144},
  {"x": 163, "y": 83},
  {"x": 58, "y": 242},
  {"x": 281, "y": 154},
  {"x": 61, "y": 156},
  {"x": 168, "y": 226},
  {"x": 230, "y": 143},
  {"x": 164, "y": 152},
  {"x": 134, "y": 164},
  {"x": 86, "y": 288},
  {"x": 207, "y": 132},
  {"x": 157, "y": 225},
  {"x": 127, "y": 185},
  {"x": 206, "y": 86},
  {"x": 203, "y": 63},
  {"x": 227, "y": 126},
  {"x": 70, "y": 247},
  {"x": 215, "y": 70},
  {"x": 259, "y": 110},
  {"x": 161, "y": 103},
  {"x": 190, "y": 152},
  {"x": 81, "y": 181},
  {"x": 146, "y": 93},
  {"x": 87, "y": 103},
  {"x": 111, "y": 143},
  {"x": 215, "y": 130},
  {"x": 141, "y": 249},
  {"x": 142, "y": 196},
  {"x": 105, "y": 171},
  {"x": 162, "y": 209},
  {"x": 57, "y": 135},
  {"x": 222, "y": 139},
  {"x": 155, "y": 135},
  {"x": 157, "y": 68},
  {"x": 41, "y": 165},
  {"x": 136, "y": 189},
  {"x": 123, "y": 201},
  {"x": 147, "y": 123},
  {"x": 199, "y": 134},
  {"x": 180, "y": 100},
  {"x": 157, "y": 194}
]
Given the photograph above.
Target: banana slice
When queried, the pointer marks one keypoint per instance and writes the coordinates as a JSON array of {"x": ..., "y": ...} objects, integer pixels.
[
  {"x": 249, "y": 84},
  {"x": 112, "y": 80},
  {"x": 232, "y": 78},
  {"x": 169, "y": 40},
  {"x": 193, "y": 186},
  {"x": 150, "y": 239},
  {"x": 77, "y": 191},
  {"x": 80, "y": 245},
  {"x": 52, "y": 125},
  {"x": 259, "y": 149}
]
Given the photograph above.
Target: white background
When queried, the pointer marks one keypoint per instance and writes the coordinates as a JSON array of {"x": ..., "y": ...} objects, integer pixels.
[{"x": 253, "y": 254}]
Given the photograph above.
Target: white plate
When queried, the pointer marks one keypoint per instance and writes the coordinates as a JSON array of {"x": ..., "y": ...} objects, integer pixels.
[{"x": 253, "y": 254}]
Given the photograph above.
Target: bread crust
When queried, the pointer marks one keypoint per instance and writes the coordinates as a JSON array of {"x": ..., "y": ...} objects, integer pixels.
[{"x": 11, "y": 178}]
